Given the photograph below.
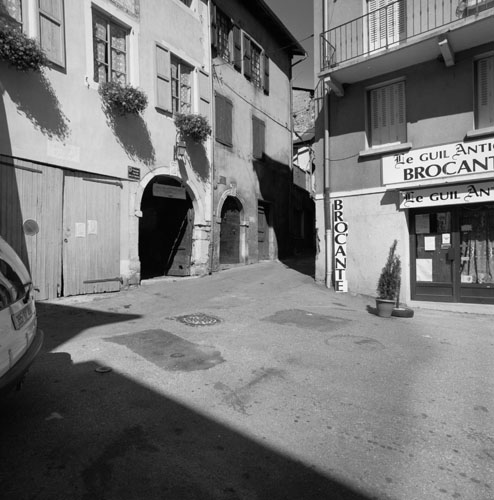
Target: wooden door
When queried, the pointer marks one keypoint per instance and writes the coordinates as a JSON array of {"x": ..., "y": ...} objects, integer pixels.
[
  {"x": 182, "y": 247},
  {"x": 263, "y": 231},
  {"x": 31, "y": 197},
  {"x": 91, "y": 232},
  {"x": 230, "y": 232}
]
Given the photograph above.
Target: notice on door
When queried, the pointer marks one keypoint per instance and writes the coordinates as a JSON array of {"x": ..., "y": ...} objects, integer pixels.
[
  {"x": 429, "y": 243},
  {"x": 424, "y": 269}
]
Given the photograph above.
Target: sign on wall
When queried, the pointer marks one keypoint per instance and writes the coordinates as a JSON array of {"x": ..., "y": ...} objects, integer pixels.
[
  {"x": 164, "y": 191},
  {"x": 340, "y": 230},
  {"x": 445, "y": 162},
  {"x": 474, "y": 192}
]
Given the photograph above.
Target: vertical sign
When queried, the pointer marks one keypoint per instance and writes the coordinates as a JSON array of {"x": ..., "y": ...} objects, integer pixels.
[{"x": 340, "y": 228}]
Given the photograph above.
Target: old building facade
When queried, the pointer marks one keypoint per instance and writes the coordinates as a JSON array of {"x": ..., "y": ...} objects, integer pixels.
[
  {"x": 405, "y": 145},
  {"x": 252, "y": 56},
  {"x": 89, "y": 198}
]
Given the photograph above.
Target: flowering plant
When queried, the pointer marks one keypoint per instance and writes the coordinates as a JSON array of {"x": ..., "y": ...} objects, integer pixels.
[
  {"x": 19, "y": 50},
  {"x": 125, "y": 98},
  {"x": 194, "y": 126}
]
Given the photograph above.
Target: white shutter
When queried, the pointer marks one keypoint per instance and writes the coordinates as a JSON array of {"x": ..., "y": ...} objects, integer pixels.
[{"x": 485, "y": 92}]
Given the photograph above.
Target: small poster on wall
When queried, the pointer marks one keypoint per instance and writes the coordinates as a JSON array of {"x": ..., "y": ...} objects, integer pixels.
[
  {"x": 429, "y": 243},
  {"x": 424, "y": 269}
]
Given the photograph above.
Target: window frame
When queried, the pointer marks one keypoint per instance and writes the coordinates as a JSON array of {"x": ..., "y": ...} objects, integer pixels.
[
  {"x": 110, "y": 20},
  {"x": 224, "y": 34},
  {"x": 401, "y": 131},
  {"x": 178, "y": 81}
]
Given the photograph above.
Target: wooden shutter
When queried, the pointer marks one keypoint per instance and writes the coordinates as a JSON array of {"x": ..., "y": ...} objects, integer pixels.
[
  {"x": 247, "y": 57},
  {"x": 223, "y": 120},
  {"x": 204, "y": 95},
  {"x": 258, "y": 138},
  {"x": 51, "y": 30},
  {"x": 388, "y": 114},
  {"x": 266, "y": 74},
  {"x": 485, "y": 92},
  {"x": 237, "y": 48},
  {"x": 163, "y": 83},
  {"x": 214, "y": 26}
]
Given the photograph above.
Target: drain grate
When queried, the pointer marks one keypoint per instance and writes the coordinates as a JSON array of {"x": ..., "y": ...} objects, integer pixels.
[{"x": 198, "y": 319}]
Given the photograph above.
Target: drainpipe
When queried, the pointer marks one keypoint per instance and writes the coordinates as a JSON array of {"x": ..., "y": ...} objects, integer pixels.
[
  {"x": 327, "y": 184},
  {"x": 327, "y": 191},
  {"x": 212, "y": 165}
]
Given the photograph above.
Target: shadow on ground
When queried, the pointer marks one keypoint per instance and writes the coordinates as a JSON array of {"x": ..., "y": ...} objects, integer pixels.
[
  {"x": 304, "y": 264},
  {"x": 75, "y": 433}
]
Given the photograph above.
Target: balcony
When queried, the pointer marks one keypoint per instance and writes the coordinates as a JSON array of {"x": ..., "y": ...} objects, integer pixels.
[{"x": 403, "y": 33}]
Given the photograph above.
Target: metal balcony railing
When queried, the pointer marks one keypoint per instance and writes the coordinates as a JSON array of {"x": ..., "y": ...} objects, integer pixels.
[{"x": 391, "y": 25}]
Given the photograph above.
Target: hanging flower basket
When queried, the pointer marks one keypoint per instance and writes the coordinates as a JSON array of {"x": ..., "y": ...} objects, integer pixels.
[
  {"x": 20, "y": 51},
  {"x": 196, "y": 127},
  {"x": 125, "y": 99}
]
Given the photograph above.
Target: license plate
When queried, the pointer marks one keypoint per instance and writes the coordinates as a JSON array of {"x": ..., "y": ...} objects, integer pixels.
[{"x": 20, "y": 318}]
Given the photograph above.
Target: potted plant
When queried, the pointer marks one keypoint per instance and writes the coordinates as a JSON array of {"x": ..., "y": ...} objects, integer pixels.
[
  {"x": 20, "y": 51},
  {"x": 195, "y": 127},
  {"x": 388, "y": 284},
  {"x": 123, "y": 98}
]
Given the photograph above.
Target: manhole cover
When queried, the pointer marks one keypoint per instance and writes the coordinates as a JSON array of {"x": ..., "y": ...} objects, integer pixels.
[{"x": 198, "y": 319}]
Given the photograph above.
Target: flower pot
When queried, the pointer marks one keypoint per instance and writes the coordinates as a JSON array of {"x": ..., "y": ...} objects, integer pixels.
[{"x": 385, "y": 307}]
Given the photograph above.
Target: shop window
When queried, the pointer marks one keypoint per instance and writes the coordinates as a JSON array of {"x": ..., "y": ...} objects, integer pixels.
[
  {"x": 224, "y": 120},
  {"x": 387, "y": 116},
  {"x": 258, "y": 138},
  {"x": 110, "y": 49},
  {"x": 485, "y": 92}
]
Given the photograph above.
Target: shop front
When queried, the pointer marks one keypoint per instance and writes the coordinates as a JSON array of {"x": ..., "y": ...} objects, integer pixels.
[{"x": 448, "y": 194}]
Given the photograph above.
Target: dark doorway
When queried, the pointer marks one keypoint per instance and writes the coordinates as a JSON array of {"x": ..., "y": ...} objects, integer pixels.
[
  {"x": 165, "y": 229},
  {"x": 230, "y": 232},
  {"x": 263, "y": 231}
]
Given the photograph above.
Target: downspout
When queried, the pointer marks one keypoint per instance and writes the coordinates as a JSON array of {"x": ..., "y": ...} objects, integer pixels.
[{"x": 327, "y": 183}]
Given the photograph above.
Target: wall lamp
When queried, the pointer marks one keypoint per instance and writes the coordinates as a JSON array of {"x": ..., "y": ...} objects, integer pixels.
[{"x": 180, "y": 148}]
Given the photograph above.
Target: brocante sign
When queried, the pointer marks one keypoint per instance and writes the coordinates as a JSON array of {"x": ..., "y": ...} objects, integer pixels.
[{"x": 440, "y": 162}]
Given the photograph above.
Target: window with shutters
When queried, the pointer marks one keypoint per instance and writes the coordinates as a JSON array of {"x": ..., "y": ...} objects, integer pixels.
[
  {"x": 252, "y": 61},
  {"x": 484, "y": 112},
  {"x": 110, "y": 49},
  {"x": 386, "y": 23},
  {"x": 387, "y": 114},
  {"x": 51, "y": 30},
  {"x": 223, "y": 120},
  {"x": 258, "y": 138}
]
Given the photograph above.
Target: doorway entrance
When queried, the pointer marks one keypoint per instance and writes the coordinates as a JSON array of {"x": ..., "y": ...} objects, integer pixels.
[
  {"x": 263, "y": 230},
  {"x": 452, "y": 250},
  {"x": 165, "y": 229},
  {"x": 230, "y": 231}
]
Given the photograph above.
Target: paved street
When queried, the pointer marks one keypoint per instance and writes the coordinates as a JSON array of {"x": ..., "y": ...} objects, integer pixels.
[{"x": 253, "y": 383}]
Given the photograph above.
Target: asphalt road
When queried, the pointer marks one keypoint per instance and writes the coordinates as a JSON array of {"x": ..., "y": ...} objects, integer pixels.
[{"x": 254, "y": 383}]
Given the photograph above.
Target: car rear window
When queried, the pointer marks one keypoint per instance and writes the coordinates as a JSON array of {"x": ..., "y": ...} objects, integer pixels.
[{"x": 11, "y": 287}]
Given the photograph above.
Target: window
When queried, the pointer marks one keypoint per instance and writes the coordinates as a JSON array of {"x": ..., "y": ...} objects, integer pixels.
[
  {"x": 224, "y": 27},
  {"x": 485, "y": 93},
  {"x": 181, "y": 75},
  {"x": 387, "y": 117},
  {"x": 258, "y": 138},
  {"x": 11, "y": 9},
  {"x": 173, "y": 82},
  {"x": 386, "y": 23},
  {"x": 110, "y": 50},
  {"x": 224, "y": 120},
  {"x": 51, "y": 30},
  {"x": 11, "y": 287},
  {"x": 51, "y": 24}
]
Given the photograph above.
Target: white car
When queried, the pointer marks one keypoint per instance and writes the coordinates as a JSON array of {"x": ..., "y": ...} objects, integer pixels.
[{"x": 20, "y": 338}]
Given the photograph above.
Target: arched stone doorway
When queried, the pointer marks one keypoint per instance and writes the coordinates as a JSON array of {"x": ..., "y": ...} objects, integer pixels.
[
  {"x": 165, "y": 229},
  {"x": 230, "y": 231}
]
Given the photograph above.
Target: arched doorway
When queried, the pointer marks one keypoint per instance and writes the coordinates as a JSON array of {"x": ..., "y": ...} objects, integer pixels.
[
  {"x": 230, "y": 231},
  {"x": 165, "y": 229}
]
